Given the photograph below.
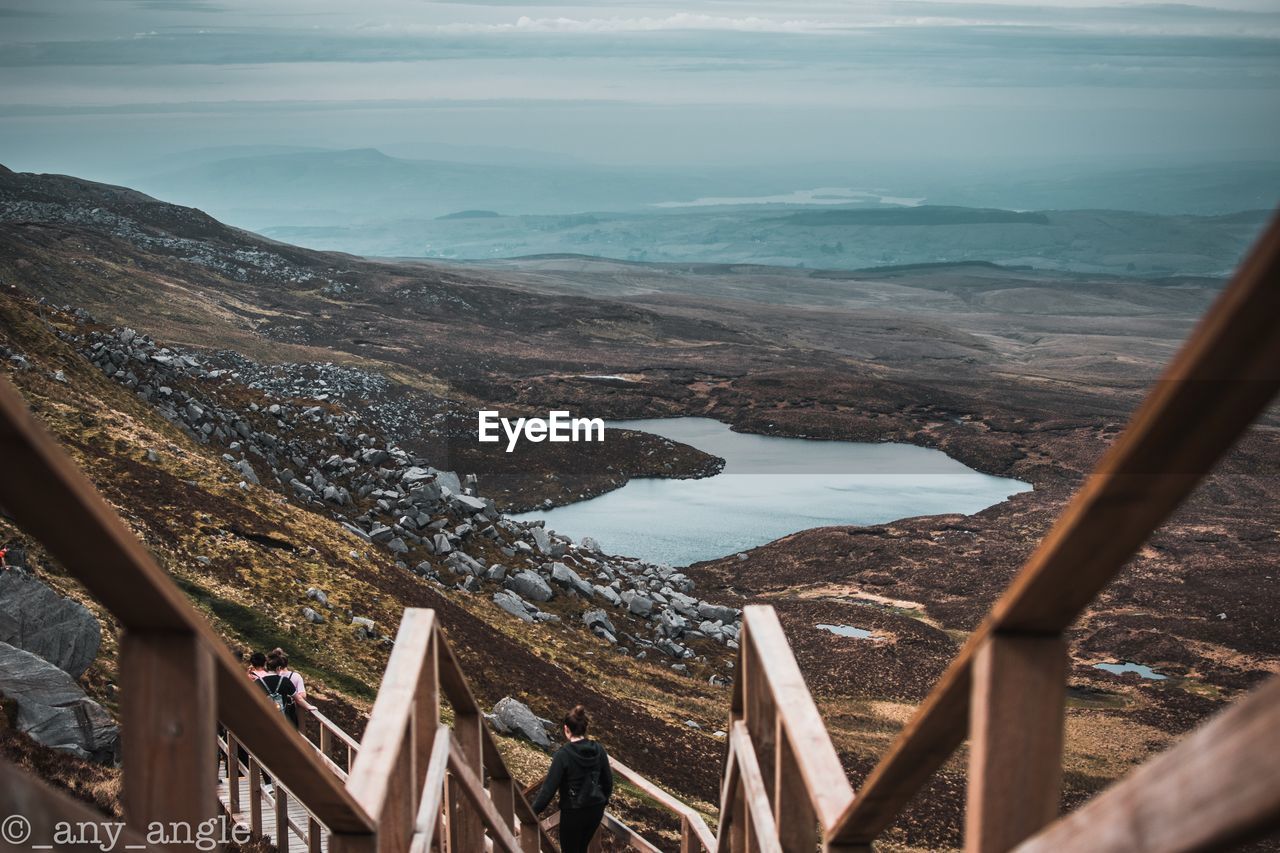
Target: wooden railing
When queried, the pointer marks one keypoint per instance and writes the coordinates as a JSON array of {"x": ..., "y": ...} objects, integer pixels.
[
  {"x": 782, "y": 779},
  {"x": 176, "y": 675},
  {"x": 419, "y": 779},
  {"x": 328, "y": 738},
  {"x": 1006, "y": 687},
  {"x": 694, "y": 834}
]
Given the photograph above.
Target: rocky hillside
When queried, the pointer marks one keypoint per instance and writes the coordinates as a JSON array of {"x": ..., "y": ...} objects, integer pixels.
[{"x": 293, "y": 521}]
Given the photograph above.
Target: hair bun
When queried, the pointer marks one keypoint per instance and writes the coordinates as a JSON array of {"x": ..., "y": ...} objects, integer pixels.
[{"x": 577, "y": 721}]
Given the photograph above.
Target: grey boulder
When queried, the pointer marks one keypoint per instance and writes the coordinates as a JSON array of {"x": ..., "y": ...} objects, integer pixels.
[
  {"x": 608, "y": 593},
  {"x": 637, "y": 604},
  {"x": 567, "y": 577},
  {"x": 519, "y": 719},
  {"x": 541, "y": 539},
  {"x": 246, "y": 471},
  {"x": 514, "y": 604},
  {"x": 35, "y": 618},
  {"x": 593, "y": 618},
  {"x": 52, "y": 709},
  {"x": 529, "y": 585},
  {"x": 707, "y": 610},
  {"x": 466, "y": 503}
]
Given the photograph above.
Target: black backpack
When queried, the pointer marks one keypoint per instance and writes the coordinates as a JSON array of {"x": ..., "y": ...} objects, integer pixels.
[
  {"x": 282, "y": 700},
  {"x": 588, "y": 792}
]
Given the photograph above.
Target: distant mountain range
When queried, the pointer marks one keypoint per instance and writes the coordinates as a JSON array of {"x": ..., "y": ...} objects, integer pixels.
[{"x": 1189, "y": 219}]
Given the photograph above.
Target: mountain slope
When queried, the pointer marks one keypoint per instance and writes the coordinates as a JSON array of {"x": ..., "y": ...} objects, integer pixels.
[{"x": 249, "y": 555}]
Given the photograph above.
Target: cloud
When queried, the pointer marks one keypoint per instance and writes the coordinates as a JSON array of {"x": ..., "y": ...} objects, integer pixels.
[{"x": 678, "y": 22}]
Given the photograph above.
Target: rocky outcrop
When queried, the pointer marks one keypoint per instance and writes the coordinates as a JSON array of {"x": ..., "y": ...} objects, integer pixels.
[
  {"x": 529, "y": 585},
  {"x": 36, "y": 619},
  {"x": 52, "y": 709},
  {"x": 510, "y": 716}
]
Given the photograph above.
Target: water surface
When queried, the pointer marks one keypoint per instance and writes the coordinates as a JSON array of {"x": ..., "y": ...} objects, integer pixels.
[
  {"x": 770, "y": 487},
  {"x": 1130, "y": 666},
  {"x": 848, "y": 631}
]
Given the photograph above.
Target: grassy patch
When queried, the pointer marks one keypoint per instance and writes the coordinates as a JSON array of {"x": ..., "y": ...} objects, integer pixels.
[{"x": 261, "y": 632}]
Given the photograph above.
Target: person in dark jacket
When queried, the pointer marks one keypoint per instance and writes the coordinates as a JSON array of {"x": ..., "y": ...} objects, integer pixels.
[{"x": 580, "y": 773}]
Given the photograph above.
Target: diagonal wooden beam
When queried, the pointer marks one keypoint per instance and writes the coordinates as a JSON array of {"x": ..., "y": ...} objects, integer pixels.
[{"x": 1221, "y": 380}]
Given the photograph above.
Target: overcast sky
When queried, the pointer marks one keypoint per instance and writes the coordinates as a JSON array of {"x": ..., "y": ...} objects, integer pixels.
[{"x": 100, "y": 85}]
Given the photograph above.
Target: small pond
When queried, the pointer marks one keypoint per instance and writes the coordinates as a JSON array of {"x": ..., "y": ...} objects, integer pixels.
[
  {"x": 770, "y": 487},
  {"x": 848, "y": 631},
  {"x": 1129, "y": 666}
]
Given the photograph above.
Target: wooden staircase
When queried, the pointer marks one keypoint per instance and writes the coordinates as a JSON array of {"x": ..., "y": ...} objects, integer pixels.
[{"x": 413, "y": 784}]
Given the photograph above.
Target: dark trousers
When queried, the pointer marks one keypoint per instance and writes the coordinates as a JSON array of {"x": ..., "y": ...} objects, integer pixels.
[{"x": 577, "y": 827}]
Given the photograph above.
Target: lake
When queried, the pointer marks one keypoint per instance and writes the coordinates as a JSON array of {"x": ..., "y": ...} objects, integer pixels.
[{"x": 770, "y": 487}]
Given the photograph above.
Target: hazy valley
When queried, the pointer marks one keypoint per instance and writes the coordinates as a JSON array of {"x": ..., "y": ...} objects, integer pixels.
[{"x": 1174, "y": 220}]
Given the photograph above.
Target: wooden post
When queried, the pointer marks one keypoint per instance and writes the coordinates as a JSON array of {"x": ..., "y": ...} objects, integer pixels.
[
  {"x": 688, "y": 841},
  {"x": 444, "y": 824},
  {"x": 255, "y": 797},
  {"x": 326, "y": 745},
  {"x": 282, "y": 819},
  {"x": 315, "y": 836},
  {"x": 467, "y": 829},
  {"x": 503, "y": 794},
  {"x": 233, "y": 773},
  {"x": 761, "y": 716},
  {"x": 426, "y": 715},
  {"x": 740, "y": 829},
  {"x": 1015, "y": 750},
  {"x": 400, "y": 811},
  {"x": 792, "y": 809},
  {"x": 168, "y": 703},
  {"x": 530, "y": 840}
]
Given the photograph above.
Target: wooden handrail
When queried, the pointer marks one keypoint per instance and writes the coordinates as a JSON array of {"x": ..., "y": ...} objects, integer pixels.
[
  {"x": 237, "y": 769},
  {"x": 473, "y": 788},
  {"x": 334, "y": 729},
  {"x": 763, "y": 833},
  {"x": 628, "y": 836},
  {"x": 428, "y": 816},
  {"x": 694, "y": 822},
  {"x": 1218, "y": 787},
  {"x": 497, "y": 769},
  {"x": 1220, "y": 381},
  {"x": 791, "y": 753},
  {"x": 389, "y": 731},
  {"x": 46, "y": 495},
  {"x": 401, "y": 753},
  {"x": 797, "y": 716}
]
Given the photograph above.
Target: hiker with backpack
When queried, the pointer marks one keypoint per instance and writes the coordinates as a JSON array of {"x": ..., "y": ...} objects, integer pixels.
[
  {"x": 580, "y": 773},
  {"x": 281, "y": 689},
  {"x": 299, "y": 688}
]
